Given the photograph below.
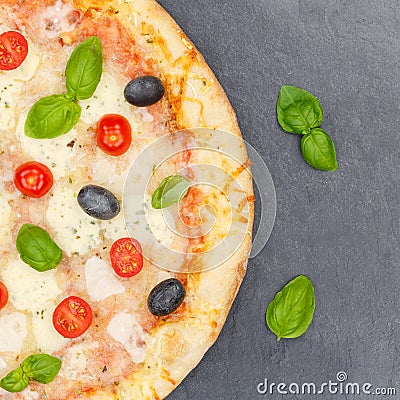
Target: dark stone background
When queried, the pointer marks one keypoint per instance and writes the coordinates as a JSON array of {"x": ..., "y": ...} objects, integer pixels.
[{"x": 341, "y": 229}]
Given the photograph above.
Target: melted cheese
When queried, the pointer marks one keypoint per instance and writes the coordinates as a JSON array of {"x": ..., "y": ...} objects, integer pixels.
[
  {"x": 115, "y": 228},
  {"x": 160, "y": 222},
  {"x": 74, "y": 230},
  {"x": 125, "y": 329},
  {"x": 55, "y": 20},
  {"x": 107, "y": 99},
  {"x": 12, "y": 332},
  {"x": 11, "y": 83},
  {"x": 3, "y": 365},
  {"x": 54, "y": 153},
  {"x": 30, "y": 394},
  {"x": 75, "y": 360},
  {"x": 29, "y": 289},
  {"x": 104, "y": 174},
  {"x": 163, "y": 275},
  {"x": 26, "y": 70},
  {"x": 101, "y": 281},
  {"x": 5, "y": 217},
  {"x": 48, "y": 340}
]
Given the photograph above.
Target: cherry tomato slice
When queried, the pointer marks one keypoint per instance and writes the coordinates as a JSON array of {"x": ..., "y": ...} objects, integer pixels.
[
  {"x": 33, "y": 179},
  {"x": 13, "y": 50},
  {"x": 72, "y": 317},
  {"x": 126, "y": 257},
  {"x": 3, "y": 295},
  {"x": 114, "y": 134}
]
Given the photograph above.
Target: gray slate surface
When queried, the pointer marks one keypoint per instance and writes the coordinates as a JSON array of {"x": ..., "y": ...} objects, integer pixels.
[{"x": 341, "y": 229}]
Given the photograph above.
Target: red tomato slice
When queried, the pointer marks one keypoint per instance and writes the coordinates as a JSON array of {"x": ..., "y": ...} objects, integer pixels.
[
  {"x": 126, "y": 257},
  {"x": 13, "y": 50},
  {"x": 3, "y": 295},
  {"x": 72, "y": 317},
  {"x": 33, "y": 179},
  {"x": 114, "y": 134}
]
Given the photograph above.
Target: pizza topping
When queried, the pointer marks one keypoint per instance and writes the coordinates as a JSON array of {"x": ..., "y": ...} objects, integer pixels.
[
  {"x": 3, "y": 295},
  {"x": 33, "y": 179},
  {"x": 72, "y": 317},
  {"x": 100, "y": 280},
  {"x": 79, "y": 357},
  {"x": 15, "y": 381},
  {"x": 162, "y": 225},
  {"x": 12, "y": 85},
  {"x": 56, "y": 115},
  {"x": 74, "y": 230},
  {"x": 23, "y": 285},
  {"x": 52, "y": 116},
  {"x": 41, "y": 368},
  {"x": 84, "y": 69},
  {"x": 48, "y": 339},
  {"x": 13, "y": 50},
  {"x": 114, "y": 134},
  {"x": 37, "y": 249},
  {"x": 171, "y": 190},
  {"x": 98, "y": 202},
  {"x": 108, "y": 97},
  {"x": 126, "y": 257},
  {"x": 5, "y": 219},
  {"x": 13, "y": 331},
  {"x": 144, "y": 91},
  {"x": 125, "y": 329},
  {"x": 43, "y": 151},
  {"x": 55, "y": 19},
  {"x": 166, "y": 297}
]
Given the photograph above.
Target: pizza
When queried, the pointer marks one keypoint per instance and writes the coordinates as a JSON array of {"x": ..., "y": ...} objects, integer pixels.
[{"x": 126, "y": 201}]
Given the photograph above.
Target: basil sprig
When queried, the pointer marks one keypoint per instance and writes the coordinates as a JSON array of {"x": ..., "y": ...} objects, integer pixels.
[
  {"x": 84, "y": 69},
  {"x": 291, "y": 311},
  {"x": 318, "y": 150},
  {"x": 171, "y": 190},
  {"x": 37, "y": 249},
  {"x": 15, "y": 381},
  {"x": 41, "y": 368},
  {"x": 55, "y": 115},
  {"x": 300, "y": 112},
  {"x": 52, "y": 116}
]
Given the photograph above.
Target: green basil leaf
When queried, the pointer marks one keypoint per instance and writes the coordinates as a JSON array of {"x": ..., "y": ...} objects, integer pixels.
[
  {"x": 37, "y": 249},
  {"x": 84, "y": 68},
  {"x": 318, "y": 150},
  {"x": 171, "y": 190},
  {"x": 41, "y": 367},
  {"x": 298, "y": 110},
  {"x": 291, "y": 311},
  {"x": 52, "y": 116},
  {"x": 15, "y": 381}
]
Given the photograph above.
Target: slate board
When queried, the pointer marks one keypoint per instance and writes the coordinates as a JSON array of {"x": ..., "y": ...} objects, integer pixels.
[{"x": 341, "y": 229}]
